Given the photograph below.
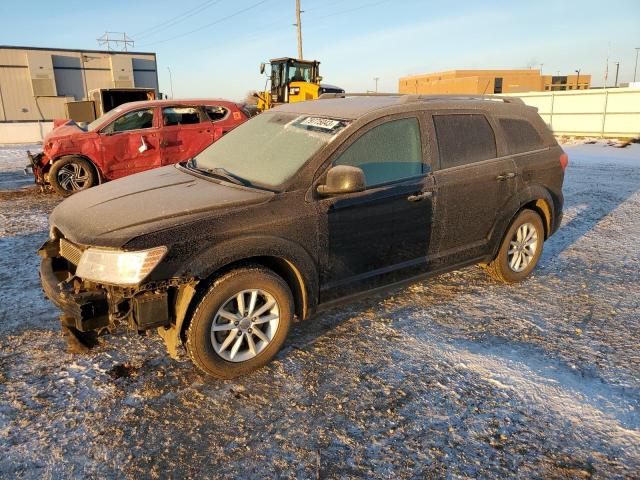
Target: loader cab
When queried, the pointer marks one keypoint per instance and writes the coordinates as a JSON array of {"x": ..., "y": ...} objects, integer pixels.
[{"x": 285, "y": 71}]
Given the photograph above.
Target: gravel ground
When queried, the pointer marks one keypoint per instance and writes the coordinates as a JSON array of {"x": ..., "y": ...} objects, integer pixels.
[{"x": 457, "y": 377}]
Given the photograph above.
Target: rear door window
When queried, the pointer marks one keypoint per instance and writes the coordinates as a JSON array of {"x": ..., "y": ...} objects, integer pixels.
[
  {"x": 520, "y": 135},
  {"x": 180, "y": 116},
  {"x": 215, "y": 113},
  {"x": 388, "y": 152},
  {"x": 464, "y": 139}
]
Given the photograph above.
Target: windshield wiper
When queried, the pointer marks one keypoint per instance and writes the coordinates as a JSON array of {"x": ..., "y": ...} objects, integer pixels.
[
  {"x": 218, "y": 172},
  {"x": 224, "y": 173}
]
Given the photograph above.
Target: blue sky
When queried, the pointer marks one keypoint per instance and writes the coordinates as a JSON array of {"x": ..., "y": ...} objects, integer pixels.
[{"x": 356, "y": 40}]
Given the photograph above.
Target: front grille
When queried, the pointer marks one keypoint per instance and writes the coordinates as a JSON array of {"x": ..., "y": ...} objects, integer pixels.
[{"x": 70, "y": 251}]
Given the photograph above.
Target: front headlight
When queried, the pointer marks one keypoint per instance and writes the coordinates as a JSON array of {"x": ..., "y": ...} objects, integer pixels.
[{"x": 117, "y": 266}]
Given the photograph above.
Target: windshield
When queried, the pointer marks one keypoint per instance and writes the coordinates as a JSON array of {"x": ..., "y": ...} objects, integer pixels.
[
  {"x": 270, "y": 148},
  {"x": 301, "y": 72},
  {"x": 111, "y": 114}
]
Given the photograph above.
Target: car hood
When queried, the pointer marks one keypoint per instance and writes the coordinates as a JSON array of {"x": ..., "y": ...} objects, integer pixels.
[
  {"x": 66, "y": 130},
  {"x": 112, "y": 214}
]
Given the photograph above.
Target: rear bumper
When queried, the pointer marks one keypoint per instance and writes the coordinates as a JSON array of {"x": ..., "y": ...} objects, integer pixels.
[{"x": 557, "y": 220}]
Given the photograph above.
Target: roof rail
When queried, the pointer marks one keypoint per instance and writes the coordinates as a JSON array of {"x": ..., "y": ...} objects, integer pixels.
[
  {"x": 410, "y": 97},
  {"x": 358, "y": 94},
  {"x": 486, "y": 98}
]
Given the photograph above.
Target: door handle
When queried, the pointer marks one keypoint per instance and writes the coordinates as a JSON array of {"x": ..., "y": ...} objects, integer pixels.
[
  {"x": 163, "y": 143},
  {"x": 506, "y": 176},
  {"x": 143, "y": 145},
  {"x": 416, "y": 197}
]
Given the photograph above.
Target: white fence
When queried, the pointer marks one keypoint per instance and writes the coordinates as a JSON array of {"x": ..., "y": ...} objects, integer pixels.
[
  {"x": 607, "y": 112},
  {"x": 24, "y": 132}
]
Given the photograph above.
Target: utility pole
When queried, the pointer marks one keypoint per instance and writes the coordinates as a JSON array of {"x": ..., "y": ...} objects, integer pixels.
[
  {"x": 635, "y": 70},
  {"x": 606, "y": 66},
  {"x": 170, "y": 82},
  {"x": 617, "y": 70},
  {"x": 375, "y": 79},
  {"x": 299, "y": 26}
]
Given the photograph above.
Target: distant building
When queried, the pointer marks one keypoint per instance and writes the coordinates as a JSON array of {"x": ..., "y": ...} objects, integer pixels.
[
  {"x": 491, "y": 82},
  {"x": 37, "y": 83}
]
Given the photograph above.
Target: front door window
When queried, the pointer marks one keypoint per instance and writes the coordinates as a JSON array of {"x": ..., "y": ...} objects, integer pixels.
[{"x": 386, "y": 153}]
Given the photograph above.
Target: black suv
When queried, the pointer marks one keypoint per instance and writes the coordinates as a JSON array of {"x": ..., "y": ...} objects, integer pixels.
[{"x": 300, "y": 208}]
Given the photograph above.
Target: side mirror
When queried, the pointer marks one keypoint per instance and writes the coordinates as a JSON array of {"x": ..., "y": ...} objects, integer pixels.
[
  {"x": 262, "y": 67},
  {"x": 318, "y": 78},
  {"x": 343, "y": 179}
]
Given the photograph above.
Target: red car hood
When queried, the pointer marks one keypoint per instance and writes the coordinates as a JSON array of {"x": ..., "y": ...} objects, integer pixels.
[{"x": 65, "y": 130}]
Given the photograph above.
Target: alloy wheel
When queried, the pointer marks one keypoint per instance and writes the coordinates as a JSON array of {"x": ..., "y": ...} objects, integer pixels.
[
  {"x": 73, "y": 177},
  {"x": 244, "y": 325},
  {"x": 523, "y": 247}
]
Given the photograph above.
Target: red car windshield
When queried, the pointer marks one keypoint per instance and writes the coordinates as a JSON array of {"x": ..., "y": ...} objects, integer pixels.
[{"x": 104, "y": 119}]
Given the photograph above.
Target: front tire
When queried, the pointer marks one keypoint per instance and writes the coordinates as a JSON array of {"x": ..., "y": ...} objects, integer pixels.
[
  {"x": 240, "y": 323},
  {"x": 69, "y": 175},
  {"x": 520, "y": 249}
]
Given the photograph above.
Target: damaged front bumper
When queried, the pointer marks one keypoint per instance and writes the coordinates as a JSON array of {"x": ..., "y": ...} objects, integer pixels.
[
  {"x": 35, "y": 167},
  {"x": 89, "y": 309},
  {"x": 93, "y": 305}
]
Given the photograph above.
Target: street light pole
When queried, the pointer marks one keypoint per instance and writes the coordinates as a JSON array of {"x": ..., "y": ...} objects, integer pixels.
[
  {"x": 170, "y": 82},
  {"x": 376, "y": 80},
  {"x": 578, "y": 80},
  {"x": 617, "y": 70},
  {"x": 635, "y": 70}
]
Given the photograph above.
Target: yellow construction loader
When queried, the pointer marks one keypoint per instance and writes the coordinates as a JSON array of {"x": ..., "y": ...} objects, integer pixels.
[{"x": 292, "y": 81}]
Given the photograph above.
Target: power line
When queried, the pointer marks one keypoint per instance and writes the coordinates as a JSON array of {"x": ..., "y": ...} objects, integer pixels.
[
  {"x": 220, "y": 20},
  {"x": 177, "y": 19},
  {"x": 366, "y": 5},
  {"x": 323, "y": 6}
]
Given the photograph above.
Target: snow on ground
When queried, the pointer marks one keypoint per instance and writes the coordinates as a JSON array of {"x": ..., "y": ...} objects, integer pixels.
[
  {"x": 457, "y": 376},
  {"x": 13, "y": 159}
]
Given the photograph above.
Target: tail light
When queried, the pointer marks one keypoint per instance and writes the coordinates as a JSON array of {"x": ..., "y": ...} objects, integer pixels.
[{"x": 564, "y": 161}]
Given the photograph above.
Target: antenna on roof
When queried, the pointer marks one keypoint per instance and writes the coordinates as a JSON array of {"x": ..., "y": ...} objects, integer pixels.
[{"x": 120, "y": 40}]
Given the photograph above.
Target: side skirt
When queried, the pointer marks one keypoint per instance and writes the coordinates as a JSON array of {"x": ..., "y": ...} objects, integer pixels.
[{"x": 395, "y": 285}]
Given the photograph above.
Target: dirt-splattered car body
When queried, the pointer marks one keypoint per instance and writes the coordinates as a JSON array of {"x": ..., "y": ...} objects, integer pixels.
[
  {"x": 328, "y": 248},
  {"x": 172, "y": 131}
]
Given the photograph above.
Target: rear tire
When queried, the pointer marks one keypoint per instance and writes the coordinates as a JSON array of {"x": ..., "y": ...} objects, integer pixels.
[
  {"x": 520, "y": 249},
  {"x": 69, "y": 175},
  {"x": 240, "y": 323}
]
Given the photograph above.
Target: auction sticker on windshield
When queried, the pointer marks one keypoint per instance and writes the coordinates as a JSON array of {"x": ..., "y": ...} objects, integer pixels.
[{"x": 322, "y": 123}]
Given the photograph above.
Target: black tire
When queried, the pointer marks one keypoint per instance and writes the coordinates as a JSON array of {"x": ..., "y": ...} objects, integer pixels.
[
  {"x": 69, "y": 175},
  {"x": 502, "y": 267},
  {"x": 224, "y": 292}
]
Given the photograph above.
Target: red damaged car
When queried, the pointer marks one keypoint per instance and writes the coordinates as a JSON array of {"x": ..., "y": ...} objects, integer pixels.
[{"x": 131, "y": 138}]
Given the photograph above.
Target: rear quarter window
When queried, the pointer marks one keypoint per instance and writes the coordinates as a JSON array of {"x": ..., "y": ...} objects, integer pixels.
[
  {"x": 215, "y": 113},
  {"x": 520, "y": 135},
  {"x": 464, "y": 139}
]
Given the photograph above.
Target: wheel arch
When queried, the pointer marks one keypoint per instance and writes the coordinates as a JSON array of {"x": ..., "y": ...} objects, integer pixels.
[
  {"x": 536, "y": 198},
  {"x": 286, "y": 259}
]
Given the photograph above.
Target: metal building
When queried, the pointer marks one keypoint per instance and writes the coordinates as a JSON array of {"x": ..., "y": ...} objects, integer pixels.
[{"x": 37, "y": 83}]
